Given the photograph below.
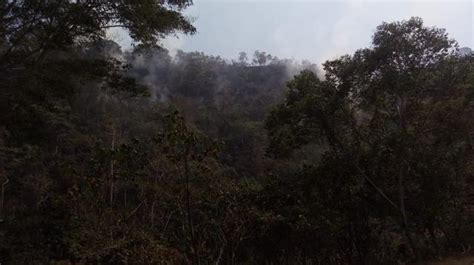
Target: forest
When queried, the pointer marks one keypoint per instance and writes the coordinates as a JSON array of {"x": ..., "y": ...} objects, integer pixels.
[{"x": 113, "y": 156}]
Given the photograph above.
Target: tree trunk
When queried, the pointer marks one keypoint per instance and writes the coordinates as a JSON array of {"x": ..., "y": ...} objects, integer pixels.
[
  {"x": 112, "y": 173},
  {"x": 3, "y": 196},
  {"x": 188, "y": 207},
  {"x": 403, "y": 168}
]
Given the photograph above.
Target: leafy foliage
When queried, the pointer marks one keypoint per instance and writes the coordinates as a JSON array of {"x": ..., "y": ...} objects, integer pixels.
[{"x": 111, "y": 157}]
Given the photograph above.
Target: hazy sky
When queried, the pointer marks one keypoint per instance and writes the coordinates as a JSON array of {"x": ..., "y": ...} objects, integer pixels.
[{"x": 314, "y": 30}]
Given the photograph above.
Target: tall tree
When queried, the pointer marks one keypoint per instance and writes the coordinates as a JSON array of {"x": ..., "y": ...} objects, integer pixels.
[
  {"x": 51, "y": 53},
  {"x": 389, "y": 113}
]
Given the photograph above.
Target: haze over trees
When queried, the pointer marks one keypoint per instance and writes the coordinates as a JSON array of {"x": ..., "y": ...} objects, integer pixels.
[{"x": 138, "y": 157}]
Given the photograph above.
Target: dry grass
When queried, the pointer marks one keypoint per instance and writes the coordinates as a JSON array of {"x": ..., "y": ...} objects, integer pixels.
[{"x": 453, "y": 261}]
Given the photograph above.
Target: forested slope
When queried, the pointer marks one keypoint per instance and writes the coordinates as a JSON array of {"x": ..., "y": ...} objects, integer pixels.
[{"x": 139, "y": 157}]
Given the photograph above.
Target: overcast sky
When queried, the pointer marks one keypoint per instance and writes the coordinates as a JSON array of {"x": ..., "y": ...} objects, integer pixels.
[{"x": 313, "y": 30}]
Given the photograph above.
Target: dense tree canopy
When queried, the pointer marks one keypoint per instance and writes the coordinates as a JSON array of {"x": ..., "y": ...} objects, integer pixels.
[
  {"x": 140, "y": 157},
  {"x": 397, "y": 116}
]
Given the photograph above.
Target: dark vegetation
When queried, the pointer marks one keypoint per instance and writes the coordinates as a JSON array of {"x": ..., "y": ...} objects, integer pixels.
[{"x": 111, "y": 157}]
